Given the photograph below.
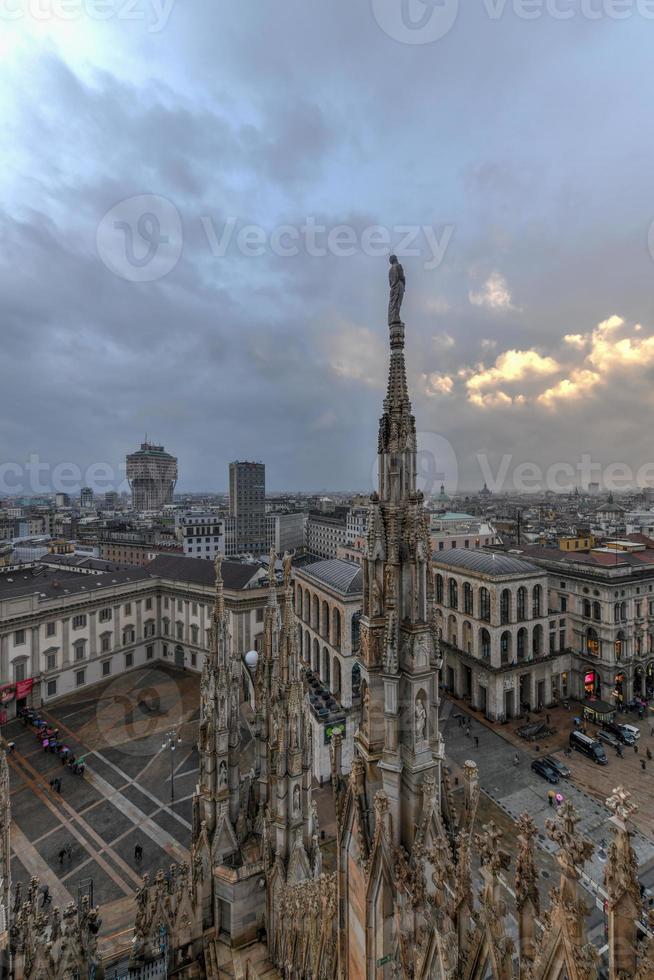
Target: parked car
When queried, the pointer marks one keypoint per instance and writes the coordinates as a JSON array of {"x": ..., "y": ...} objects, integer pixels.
[
  {"x": 557, "y": 766},
  {"x": 587, "y": 745},
  {"x": 631, "y": 730},
  {"x": 541, "y": 768},
  {"x": 620, "y": 732},
  {"x": 609, "y": 739}
]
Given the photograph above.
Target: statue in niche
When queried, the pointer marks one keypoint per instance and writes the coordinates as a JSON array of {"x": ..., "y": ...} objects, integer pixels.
[
  {"x": 294, "y": 742},
  {"x": 222, "y": 775},
  {"x": 421, "y": 720},
  {"x": 376, "y": 598},
  {"x": 296, "y": 798},
  {"x": 397, "y": 283}
]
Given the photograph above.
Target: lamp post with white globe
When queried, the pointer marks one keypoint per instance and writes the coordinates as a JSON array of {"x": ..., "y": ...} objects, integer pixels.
[{"x": 252, "y": 659}]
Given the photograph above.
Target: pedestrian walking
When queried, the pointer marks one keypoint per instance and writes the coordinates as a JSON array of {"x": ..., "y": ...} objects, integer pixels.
[
  {"x": 516, "y": 759},
  {"x": 635, "y": 750},
  {"x": 651, "y": 731},
  {"x": 468, "y": 731},
  {"x": 476, "y": 741},
  {"x": 550, "y": 797},
  {"x": 61, "y": 856},
  {"x": 649, "y": 754},
  {"x": 643, "y": 765},
  {"x": 460, "y": 722},
  {"x": 547, "y": 718},
  {"x": 138, "y": 853},
  {"x": 10, "y": 747},
  {"x": 58, "y": 784},
  {"x": 619, "y": 751},
  {"x": 69, "y": 852}
]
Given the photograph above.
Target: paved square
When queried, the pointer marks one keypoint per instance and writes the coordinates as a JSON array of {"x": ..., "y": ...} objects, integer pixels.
[{"x": 123, "y": 798}]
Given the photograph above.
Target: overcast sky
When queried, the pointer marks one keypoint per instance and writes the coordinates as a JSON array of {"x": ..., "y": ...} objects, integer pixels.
[{"x": 513, "y": 155}]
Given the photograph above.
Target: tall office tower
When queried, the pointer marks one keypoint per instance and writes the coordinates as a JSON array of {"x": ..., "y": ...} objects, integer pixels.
[
  {"x": 247, "y": 505},
  {"x": 86, "y": 498},
  {"x": 152, "y": 475}
]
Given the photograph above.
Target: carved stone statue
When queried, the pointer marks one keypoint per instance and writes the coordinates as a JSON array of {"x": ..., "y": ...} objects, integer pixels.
[
  {"x": 397, "y": 282},
  {"x": 294, "y": 742},
  {"x": 421, "y": 720},
  {"x": 296, "y": 798},
  {"x": 222, "y": 775}
]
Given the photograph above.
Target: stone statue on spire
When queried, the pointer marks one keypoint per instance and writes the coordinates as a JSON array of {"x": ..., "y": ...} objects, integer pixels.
[{"x": 397, "y": 283}]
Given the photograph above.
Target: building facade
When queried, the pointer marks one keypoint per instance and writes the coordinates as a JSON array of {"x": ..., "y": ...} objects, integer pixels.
[
  {"x": 61, "y": 631},
  {"x": 247, "y": 505},
  {"x": 328, "y": 598},
  {"x": 607, "y": 601},
  {"x": 499, "y": 652},
  {"x": 152, "y": 475}
]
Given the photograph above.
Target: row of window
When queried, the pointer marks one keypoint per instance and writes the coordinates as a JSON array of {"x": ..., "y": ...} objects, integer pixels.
[{"x": 484, "y": 601}]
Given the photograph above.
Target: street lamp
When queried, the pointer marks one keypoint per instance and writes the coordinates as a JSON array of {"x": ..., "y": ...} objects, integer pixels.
[{"x": 171, "y": 741}]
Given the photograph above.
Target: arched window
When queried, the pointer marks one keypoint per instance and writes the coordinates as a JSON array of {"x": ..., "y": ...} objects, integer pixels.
[
  {"x": 298, "y": 602},
  {"x": 307, "y": 647},
  {"x": 336, "y": 628},
  {"x": 355, "y": 629},
  {"x": 484, "y": 604},
  {"x": 326, "y": 672},
  {"x": 619, "y": 645},
  {"x": 586, "y": 609},
  {"x": 315, "y": 613},
  {"x": 592, "y": 642},
  {"x": 336, "y": 673},
  {"x": 521, "y": 604},
  {"x": 537, "y": 640},
  {"x": 316, "y": 656},
  {"x": 616, "y": 612},
  {"x": 467, "y": 637},
  {"x": 439, "y": 588},
  {"x": 306, "y": 605},
  {"x": 505, "y": 647},
  {"x": 522, "y": 643},
  {"x": 325, "y": 619},
  {"x": 623, "y": 611},
  {"x": 537, "y": 601},
  {"x": 468, "y": 606},
  {"x": 505, "y": 606},
  {"x": 453, "y": 595},
  {"x": 179, "y": 627},
  {"x": 484, "y": 644},
  {"x": 452, "y": 631},
  {"x": 597, "y": 612}
]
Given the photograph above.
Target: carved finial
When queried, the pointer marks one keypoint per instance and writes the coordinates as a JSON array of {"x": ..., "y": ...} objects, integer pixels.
[
  {"x": 287, "y": 565},
  {"x": 574, "y": 850},
  {"x": 622, "y": 805},
  {"x": 272, "y": 580},
  {"x": 490, "y": 852},
  {"x": 525, "y": 866}
]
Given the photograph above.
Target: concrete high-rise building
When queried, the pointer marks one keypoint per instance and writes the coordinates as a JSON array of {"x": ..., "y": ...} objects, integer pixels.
[
  {"x": 86, "y": 498},
  {"x": 247, "y": 505},
  {"x": 152, "y": 475}
]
